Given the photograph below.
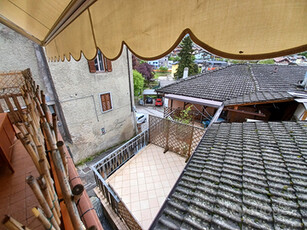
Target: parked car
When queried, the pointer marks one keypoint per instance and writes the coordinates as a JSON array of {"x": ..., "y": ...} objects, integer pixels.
[
  {"x": 140, "y": 118},
  {"x": 159, "y": 102},
  {"x": 149, "y": 100}
]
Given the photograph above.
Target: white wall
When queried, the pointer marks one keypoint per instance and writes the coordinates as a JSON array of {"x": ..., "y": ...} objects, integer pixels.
[
  {"x": 77, "y": 87},
  {"x": 73, "y": 84}
]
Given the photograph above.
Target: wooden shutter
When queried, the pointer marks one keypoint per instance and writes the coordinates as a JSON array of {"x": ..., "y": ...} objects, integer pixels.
[
  {"x": 103, "y": 102},
  {"x": 91, "y": 66},
  {"x": 107, "y": 64},
  {"x": 106, "y": 102}
]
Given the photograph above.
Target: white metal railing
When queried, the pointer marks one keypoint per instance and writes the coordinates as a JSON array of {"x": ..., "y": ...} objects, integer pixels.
[{"x": 112, "y": 162}]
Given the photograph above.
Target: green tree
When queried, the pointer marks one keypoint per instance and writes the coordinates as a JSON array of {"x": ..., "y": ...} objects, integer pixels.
[
  {"x": 138, "y": 83},
  {"x": 176, "y": 58},
  {"x": 163, "y": 69},
  {"x": 266, "y": 61},
  {"x": 186, "y": 58},
  {"x": 184, "y": 117},
  {"x": 303, "y": 54}
]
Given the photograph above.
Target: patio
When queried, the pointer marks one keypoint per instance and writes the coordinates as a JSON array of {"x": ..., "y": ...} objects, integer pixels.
[
  {"x": 134, "y": 180},
  {"x": 144, "y": 182},
  {"x": 16, "y": 197}
]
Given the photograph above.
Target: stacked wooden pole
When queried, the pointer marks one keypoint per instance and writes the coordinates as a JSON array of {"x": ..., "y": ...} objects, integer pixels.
[
  {"x": 38, "y": 133},
  {"x": 12, "y": 224}
]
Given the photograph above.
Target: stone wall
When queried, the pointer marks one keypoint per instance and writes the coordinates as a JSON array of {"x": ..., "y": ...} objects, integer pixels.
[
  {"x": 18, "y": 53},
  {"x": 78, "y": 92}
]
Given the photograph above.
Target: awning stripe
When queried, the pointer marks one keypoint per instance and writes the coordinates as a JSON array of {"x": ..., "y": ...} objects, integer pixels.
[{"x": 152, "y": 28}]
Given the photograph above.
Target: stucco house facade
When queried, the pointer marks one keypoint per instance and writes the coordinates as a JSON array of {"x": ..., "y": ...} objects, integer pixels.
[{"x": 95, "y": 108}]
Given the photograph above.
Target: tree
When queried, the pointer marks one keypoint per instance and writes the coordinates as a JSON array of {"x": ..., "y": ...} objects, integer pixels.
[
  {"x": 266, "y": 61},
  {"x": 163, "y": 69},
  {"x": 303, "y": 54},
  {"x": 138, "y": 83},
  {"x": 135, "y": 61},
  {"x": 185, "y": 117},
  {"x": 186, "y": 58},
  {"x": 146, "y": 70},
  {"x": 176, "y": 58}
]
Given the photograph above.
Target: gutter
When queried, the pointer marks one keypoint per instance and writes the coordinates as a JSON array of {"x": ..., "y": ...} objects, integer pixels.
[
  {"x": 129, "y": 77},
  {"x": 86, "y": 210}
]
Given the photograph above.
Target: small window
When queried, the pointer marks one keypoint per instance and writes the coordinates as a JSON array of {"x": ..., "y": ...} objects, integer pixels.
[
  {"x": 100, "y": 64},
  {"x": 106, "y": 102}
]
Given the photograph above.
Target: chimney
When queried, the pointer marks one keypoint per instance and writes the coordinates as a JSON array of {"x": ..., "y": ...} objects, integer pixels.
[{"x": 185, "y": 72}]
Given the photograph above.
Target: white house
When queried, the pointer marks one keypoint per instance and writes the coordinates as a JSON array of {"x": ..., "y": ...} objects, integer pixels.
[{"x": 93, "y": 100}]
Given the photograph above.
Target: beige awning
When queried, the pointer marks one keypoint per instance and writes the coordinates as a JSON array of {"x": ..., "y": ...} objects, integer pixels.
[{"x": 236, "y": 29}]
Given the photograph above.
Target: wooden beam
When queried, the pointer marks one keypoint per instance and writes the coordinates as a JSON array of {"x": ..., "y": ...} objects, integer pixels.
[
  {"x": 216, "y": 115},
  {"x": 245, "y": 112},
  {"x": 262, "y": 102}
]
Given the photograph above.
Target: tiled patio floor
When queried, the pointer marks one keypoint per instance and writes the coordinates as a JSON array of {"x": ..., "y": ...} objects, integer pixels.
[
  {"x": 16, "y": 197},
  {"x": 144, "y": 182}
]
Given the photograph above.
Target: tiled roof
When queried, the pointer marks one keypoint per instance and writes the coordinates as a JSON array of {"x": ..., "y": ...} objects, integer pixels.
[
  {"x": 217, "y": 85},
  {"x": 260, "y": 96},
  {"x": 277, "y": 77},
  {"x": 238, "y": 80},
  {"x": 242, "y": 176}
]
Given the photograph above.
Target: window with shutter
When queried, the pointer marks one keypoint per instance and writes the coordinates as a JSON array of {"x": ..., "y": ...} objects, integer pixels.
[
  {"x": 106, "y": 102},
  {"x": 100, "y": 64}
]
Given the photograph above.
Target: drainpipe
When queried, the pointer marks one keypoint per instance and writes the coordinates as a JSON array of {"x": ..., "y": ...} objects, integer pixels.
[
  {"x": 45, "y": 71},
  {"x": 129, "y": 77},
  {"x": 130, "y": 89}
]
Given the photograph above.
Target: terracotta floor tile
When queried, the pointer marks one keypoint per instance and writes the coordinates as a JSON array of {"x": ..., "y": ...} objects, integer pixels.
[
  {"x": 18, "y": 205},
  {"x": 14, "y": 196}
]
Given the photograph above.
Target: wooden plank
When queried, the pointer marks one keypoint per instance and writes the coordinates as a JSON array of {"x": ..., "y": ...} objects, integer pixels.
[
  {"x": 246, "y": 112},
  {"x": 262, "y": 102}
]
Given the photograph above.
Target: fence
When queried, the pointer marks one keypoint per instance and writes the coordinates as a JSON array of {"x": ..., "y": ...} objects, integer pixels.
[
  {"x": 170, "y": 135},
  {"x": 11, "y": 99},
  {"x": 108, "y": 165},
  {"x": 174, "y": 136},
  {"x": 196, "y": 115}
]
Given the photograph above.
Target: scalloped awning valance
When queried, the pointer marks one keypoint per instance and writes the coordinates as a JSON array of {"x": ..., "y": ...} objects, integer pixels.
[{"x": 152, "y": 28}]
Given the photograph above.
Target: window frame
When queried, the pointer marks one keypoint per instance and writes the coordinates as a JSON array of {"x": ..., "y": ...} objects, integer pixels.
[
  {"x": 111, "y": 101},
  {"x": 100, "y": 60}
]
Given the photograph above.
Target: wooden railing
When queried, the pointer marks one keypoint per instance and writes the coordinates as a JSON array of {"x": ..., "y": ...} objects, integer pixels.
[
  {"x": 196, "y": 115},
  {"x": 174, "y": 136},
  {"x": 112, "y": 162}
]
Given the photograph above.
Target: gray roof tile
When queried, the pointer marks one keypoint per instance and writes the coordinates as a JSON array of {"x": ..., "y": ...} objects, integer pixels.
[
  {"x": 237, "y": 84},
  {"x": 234, "y": 188}
]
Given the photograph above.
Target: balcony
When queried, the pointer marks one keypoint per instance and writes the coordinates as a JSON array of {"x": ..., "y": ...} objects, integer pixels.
[{"x": 135, "y": 179}]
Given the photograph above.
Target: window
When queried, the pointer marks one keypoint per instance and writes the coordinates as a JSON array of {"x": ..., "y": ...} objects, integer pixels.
[
  {"x": 106, "y": 102},
  {"x": 100, "y": 64}
]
